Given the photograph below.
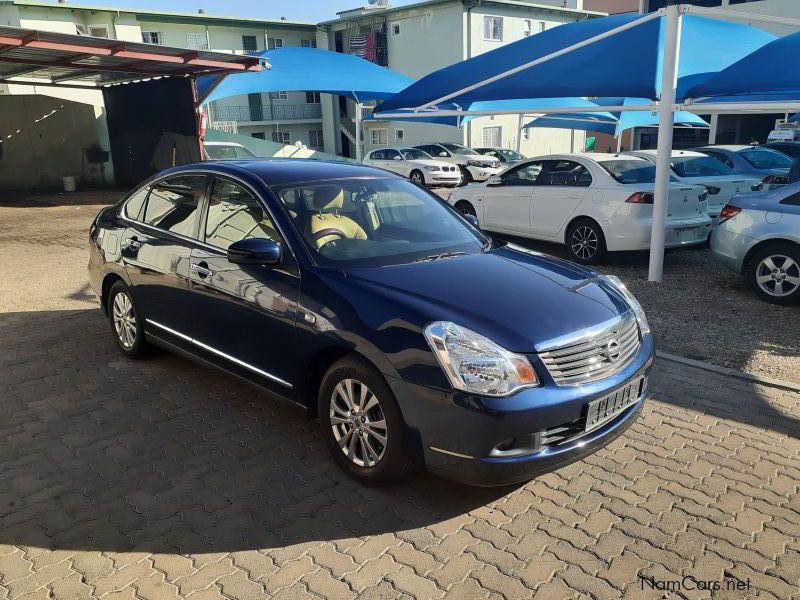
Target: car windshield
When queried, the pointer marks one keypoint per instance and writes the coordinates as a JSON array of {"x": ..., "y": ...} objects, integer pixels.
[
  {"x": 415, "y": 154},
  {"x": 629, "y": 170},
  {"x": 222, "y": 152},
  {"x": 700, "y": 166},
  {"x": 459, "y": 149},
  {"x": 761, "y": 158},
  {"x": 375, "y": 222},
  {"x": 510, "y": 154}
]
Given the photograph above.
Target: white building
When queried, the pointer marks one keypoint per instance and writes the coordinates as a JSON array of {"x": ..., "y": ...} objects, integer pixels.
[{"x": 420, "y": 38}]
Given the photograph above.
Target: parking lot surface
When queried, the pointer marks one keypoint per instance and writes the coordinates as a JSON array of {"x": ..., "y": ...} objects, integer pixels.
[{"x": 163, "y": 479}]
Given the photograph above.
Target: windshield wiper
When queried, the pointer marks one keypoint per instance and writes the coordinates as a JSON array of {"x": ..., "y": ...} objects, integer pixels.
[{"x": 438, "y": 256}]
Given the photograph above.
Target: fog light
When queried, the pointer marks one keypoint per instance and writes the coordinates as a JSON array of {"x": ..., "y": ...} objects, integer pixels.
[{"x": 520, "y": 445}]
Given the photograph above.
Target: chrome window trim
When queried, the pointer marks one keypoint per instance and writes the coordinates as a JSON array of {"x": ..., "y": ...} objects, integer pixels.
[{"x": 213, "y": 350}]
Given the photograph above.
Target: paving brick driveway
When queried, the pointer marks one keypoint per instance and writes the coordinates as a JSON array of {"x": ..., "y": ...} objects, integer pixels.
[{"x": 161, "y": 479}]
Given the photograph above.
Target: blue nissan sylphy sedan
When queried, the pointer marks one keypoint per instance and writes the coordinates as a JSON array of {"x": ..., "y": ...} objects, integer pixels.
[{"x": 364, "y": 298}]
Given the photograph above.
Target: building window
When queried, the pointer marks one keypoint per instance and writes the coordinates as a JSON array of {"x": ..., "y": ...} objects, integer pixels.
[
  {"x": 493, "y": 29},
  {"x": 153, "y": 37},
  {"x": 281, "y": 95},
  {"x": 395, "y": 29},
  {"x": 100, "y": 31},
  {"x": 249, "y": 43},
  {"x": 197, "y": 41},
  {"x": 527, "y": 28},
  {"x": 308, "y": 43},
  {"x": 259, "y": 135},
  {"x": 399, "y": 135},
  {"x": 315, "y": 139},
  {"x": 312, "y": 97},
  {"x": 493, "y": 136},
  {"x": 281, "y": 137},
  {"x": 379, "y": 137},
  {"x": 273, "y": 43}
]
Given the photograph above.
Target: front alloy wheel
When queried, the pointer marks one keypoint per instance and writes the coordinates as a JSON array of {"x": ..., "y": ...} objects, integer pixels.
[
  {"x": 417, "y": 177},
  {"x": 358, "y": 423}
]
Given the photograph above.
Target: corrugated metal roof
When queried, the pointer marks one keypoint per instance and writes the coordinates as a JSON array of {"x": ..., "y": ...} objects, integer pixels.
[{"x": 28, "y": 56}]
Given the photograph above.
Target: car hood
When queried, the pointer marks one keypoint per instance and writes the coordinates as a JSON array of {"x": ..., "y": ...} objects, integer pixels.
[
  {"x": 479, "y": 158},
  {"x": 426, "y": 162},
  {"x": 519, "y": 299}
]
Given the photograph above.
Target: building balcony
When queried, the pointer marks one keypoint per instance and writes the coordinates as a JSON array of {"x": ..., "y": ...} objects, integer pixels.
[{"x": 268, "y": 112}]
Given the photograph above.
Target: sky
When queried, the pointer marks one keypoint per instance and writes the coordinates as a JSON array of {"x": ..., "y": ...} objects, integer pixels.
[{"x": 297, "y": 10}]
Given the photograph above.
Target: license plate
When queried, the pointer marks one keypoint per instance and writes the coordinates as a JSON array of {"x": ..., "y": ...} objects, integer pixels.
[{"x": 605, "y": 409}]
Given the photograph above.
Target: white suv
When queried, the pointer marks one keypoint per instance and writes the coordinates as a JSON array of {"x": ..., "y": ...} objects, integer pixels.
[
  {"x": 415, "y": 164},
  {"x": 473, "y": 166}
]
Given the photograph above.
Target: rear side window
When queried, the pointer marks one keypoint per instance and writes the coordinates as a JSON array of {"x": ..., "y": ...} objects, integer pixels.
[
  {"x": 793, "y": 200},
  {"x": 173, "y": 202},
  {"x": 564, "y": 172},
  {"x": 135, "y": 202}
]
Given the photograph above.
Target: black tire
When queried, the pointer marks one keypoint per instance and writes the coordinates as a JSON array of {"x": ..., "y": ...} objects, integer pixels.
[
  {"x": 134, "y": 344},
  {"x": 780, "y": 262},
  {"x": 416, "y": 176},
  {"x": 465, "y": 208},
  {"x": 395, "y": 460},
  {"x": 586, "y": 242},
  {"x": 466, "y": 176}
]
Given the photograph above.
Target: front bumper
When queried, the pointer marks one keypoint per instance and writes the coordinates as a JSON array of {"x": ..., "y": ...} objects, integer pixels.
[
  {"x": 441, "y": 178},
  {"x": 482, "y": 173},
  {"x": 458, "y": 431}
]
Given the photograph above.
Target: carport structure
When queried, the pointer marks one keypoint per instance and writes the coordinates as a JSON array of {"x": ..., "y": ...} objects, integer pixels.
[
  {"x": 148, "y": 94},
  {"x": 665, "y": 57},
  {"x": 32, "y": 57}
]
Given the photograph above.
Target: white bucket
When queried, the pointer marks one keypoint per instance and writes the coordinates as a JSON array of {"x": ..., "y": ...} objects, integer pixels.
[{"x": 69, "y": 183}]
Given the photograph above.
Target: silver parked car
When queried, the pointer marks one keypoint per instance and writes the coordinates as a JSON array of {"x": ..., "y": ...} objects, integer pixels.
[{"x": 759, "y": 236}]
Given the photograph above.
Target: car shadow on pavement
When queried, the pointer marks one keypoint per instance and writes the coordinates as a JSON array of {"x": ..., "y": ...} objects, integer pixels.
[{"x": 164, "y": 455}]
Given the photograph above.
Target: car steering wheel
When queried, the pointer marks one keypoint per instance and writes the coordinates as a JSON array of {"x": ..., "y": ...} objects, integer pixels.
[{"x": 327, "y": 232}]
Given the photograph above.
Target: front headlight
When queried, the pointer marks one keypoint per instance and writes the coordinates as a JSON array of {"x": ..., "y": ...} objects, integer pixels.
[
  {"x": 476, "y": 364},
  {"x": 476, "y": 163},
  {"x": 431, "y": 168},
  {"x": 615, "y": 281}
]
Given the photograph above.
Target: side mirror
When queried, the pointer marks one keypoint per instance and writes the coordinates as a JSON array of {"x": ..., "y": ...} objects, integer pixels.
[
  {"x": 473, "y": 220},
  {"x": 398, "y": 158},
  {"x": 494, "y": 180},
  {"x": 445, "y": 154},
  {"x": 254, "y": 251}
]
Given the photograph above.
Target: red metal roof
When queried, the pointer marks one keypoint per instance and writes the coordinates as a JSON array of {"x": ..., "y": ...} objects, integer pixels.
[{"x": 28, "y": 55}]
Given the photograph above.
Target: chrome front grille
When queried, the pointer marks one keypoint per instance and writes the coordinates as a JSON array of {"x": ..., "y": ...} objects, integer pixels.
[{"x": 596, "y": 357}]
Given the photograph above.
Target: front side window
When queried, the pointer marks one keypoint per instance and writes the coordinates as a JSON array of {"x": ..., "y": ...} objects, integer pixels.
[
  {"x": 493, "y": 29},
  {"x": 509, "y": 154},
  {"x": 374, "y": 222},
  {"x": 392, "y": 154},
  {"x": 761, "y": 158},
  {"x": 135, "y": 202},
  {"x": 699, "y": 166},
  {"x": 524, "y": 175},
  {"x": 234, "y": 214},
  {"x": 415, "y": 154},
  {"x": 173, "y": 202}
]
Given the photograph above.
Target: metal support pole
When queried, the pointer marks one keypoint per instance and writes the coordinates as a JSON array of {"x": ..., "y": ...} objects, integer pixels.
[
  {"x": 520, "y": 119},
  {"x": 358, "y": 131},
  {"x": 666, "y": 117}
]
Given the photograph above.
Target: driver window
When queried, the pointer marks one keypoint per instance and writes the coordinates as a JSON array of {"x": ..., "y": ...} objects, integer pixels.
[
  {"x": 440, "y": 151},
  {"x": 234, "y": 214},
  {"x": 524, "y": 175},
  {"x": 392, "y": 154}
]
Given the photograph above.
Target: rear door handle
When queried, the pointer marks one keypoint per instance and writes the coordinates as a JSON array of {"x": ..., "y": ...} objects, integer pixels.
[{"x": 201, "y": 269}]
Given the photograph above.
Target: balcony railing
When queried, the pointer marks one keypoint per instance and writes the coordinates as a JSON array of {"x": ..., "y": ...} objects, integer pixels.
[{"x": 267, "y": 112}]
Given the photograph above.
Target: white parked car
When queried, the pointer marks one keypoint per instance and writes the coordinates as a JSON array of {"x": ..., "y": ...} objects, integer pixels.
[
  {"x": 415, "y": 164},
  {"x": 223, "y": 150},
  {"x": 473, "y": 166},
  {"x": 590, "y": 202},
  {"x": 697, "y": 168}
]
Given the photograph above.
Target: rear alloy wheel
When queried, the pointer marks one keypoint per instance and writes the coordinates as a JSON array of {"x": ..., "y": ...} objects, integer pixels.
[
  {"x": 126, "y": 322},
  {"x": 417, "y": 177},
  {"x": 362, "y": 423},
  {"x": 774, "y": 273},
  {"x": 586, "y": 242}
]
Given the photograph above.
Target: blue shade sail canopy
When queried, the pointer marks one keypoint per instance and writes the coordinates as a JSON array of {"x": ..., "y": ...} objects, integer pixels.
[
  {"x": 307, "y": 70},
  {"x": 626, "y": 64},
  {"x": 772, "y": 68}
]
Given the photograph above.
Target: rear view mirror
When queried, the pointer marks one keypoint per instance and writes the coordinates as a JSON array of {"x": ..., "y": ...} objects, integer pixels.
[
  {"x": 494, "y": 180},
  {"x": 254, "y": 251}
]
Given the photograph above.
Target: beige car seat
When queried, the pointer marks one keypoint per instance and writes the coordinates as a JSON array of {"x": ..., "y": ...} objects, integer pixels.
[{"x": 326, "y": 224}]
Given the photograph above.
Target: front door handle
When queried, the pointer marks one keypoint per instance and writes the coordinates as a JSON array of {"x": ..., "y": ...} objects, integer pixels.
[
  {"x": 133, "y": 243},
  {"x": 201, "y": 269}
]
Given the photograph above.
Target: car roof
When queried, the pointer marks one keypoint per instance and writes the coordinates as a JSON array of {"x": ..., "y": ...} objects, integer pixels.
[
  {"x": 223, "y": 144},
  {"x": 398, "y": 148},
  {"x": 729, "y": 147},
  {"x": 595, "y": 156},
  {"x": 277, "y": 171},
  {"x": 674, "y": 153}
]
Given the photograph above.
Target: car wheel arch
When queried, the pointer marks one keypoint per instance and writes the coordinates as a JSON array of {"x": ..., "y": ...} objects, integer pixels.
[
  {"x": 109, "y": 280},
  {"x": 574, "y": 220},
  {"x": 757, "y": 247}
]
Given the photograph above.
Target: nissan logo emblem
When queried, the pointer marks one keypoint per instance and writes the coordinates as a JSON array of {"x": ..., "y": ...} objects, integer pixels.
[{"x": 612, "y": 350}]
